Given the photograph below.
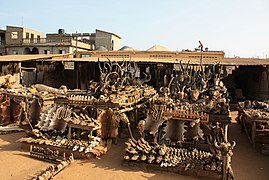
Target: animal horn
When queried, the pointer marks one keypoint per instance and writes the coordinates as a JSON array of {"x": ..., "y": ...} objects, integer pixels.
[
  {"x": 233, "y": 144},
  {"x": 169, "y": 85},
  {"x": 109, "y": 74},
  {"x": 180, "y": 62},
  {"x": 109, "y": 65},
  {"x": 99, "y": 65},
  {"x": 216, "y": 144}
]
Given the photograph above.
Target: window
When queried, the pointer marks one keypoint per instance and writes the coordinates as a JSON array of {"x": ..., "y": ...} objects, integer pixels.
[
  {"x": 14, "y": 35},
  {"x": 62, "y": 52},
  {"x": 46, "y": 51},
  {"x": 32, "y": 38},
  {"x": 15, "y": 52},
  {"x": 85, "y": 55},
  {"x": 112, "y": 45},
  {"x": 38, "y": 39},
  {"x": 27, "y": 35}
]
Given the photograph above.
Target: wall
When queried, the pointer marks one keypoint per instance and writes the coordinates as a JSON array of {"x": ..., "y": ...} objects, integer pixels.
[
  {"x": 30, "y": 31},
  {"x": 103, "y": 39},
  {"x": 9, "y": 39},
  {"x": 117, "y": 43},
  {"x": 214, "y": 55}
]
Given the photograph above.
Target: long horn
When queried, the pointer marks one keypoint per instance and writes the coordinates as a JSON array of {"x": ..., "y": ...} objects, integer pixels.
[
  {"x": 226, "y": 133},
  {"x": 147, "y": 77},
  {"x": 109, "y": 74},
  {"x": 233, "y": 144},
  {"x": 123, "y": 62},
  {"x": 118, "y": 67},
  {"x": 187, "y": 66},
  {"x": 182, "y": 69},
  {"x": 108, "y": 64},
  {"x": 216, "y": 144},
  {"x": 99, "y": 65},
  {"x": 169, "y": 85}
]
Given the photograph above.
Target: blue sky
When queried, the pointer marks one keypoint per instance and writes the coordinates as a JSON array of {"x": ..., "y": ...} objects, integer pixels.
[{"x": 238, "y": 27}]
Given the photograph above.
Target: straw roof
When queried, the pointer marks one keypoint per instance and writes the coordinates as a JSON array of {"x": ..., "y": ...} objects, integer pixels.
[
  {"x": 127, "y": 48},
  {"x": 158, "y": 47}
]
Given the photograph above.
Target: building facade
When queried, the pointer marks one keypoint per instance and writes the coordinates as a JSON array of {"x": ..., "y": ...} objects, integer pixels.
[
  {"x": 20, "y": 40},
  {"x": 108, "y": 40}
]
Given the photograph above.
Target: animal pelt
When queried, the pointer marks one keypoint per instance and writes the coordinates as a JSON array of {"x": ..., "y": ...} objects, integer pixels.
[
  {"x": 34, "y": 110},
  {"x": 53, "y": 118},
  {"x": 195, "y": 132},
  {"x": 152, "y": 125},
  {"x": 16, "y": 111},
  {"x": 109, "y": 128},
  {"x": 5, "y": 110},
  {"x": 175, "y": 130}
]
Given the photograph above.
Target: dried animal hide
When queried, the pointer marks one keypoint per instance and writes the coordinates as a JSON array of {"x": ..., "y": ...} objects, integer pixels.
[
  {"x": 175, "y": 130},
  {"x": 42, "y": 118},
  {"x": 5, "y": 110},
  {"x": 49, "y": 117},
  {"x": 195, "y": 132},
  {"x": 109, "y": 128},
  {"x": 155, "y": 118},
  {"x": 16, "y": 111},
  {"x": 151, "y": 124},
  {"x": 57, "y": 122},
  {"x": 42, "y": 87},
  {"x": 34, "y": 110},
  {"x": 53, "y": 118}
]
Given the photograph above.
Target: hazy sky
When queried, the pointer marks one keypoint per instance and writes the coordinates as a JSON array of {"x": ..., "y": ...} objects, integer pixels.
[{"x": 238, "y": 27}]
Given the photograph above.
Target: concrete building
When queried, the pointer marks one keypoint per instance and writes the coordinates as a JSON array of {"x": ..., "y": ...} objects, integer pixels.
[
  {"x": 20, "y": 40},
  {"x": 108, "y": 40}
]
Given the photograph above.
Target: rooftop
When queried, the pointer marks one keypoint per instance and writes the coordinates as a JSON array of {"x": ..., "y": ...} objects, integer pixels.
[{"x": 109, "y": 33}]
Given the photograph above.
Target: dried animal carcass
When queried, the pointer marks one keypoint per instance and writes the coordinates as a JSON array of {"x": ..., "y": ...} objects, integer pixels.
[
  {"x": 53, "y": 118},
  {"x": 5, "y": 109},
  {"x": 109, "y": 128},
  {"x": 154, "y": 118},
  {"x": 174, "y": 131},
  {"x": 194, "y": 131}
]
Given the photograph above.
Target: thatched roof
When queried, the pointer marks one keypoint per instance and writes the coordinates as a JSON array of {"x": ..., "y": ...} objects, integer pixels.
[
  {"x": 127, "y": 48},
  {"x": 158, "y": 47}
]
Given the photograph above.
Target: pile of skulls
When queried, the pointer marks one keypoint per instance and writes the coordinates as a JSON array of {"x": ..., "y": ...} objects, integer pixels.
[
  {"x": 52, "y": 170},
  {"x": 188, "y": 158},
  {"x": 82, "y": 119},
  {"x": 62, "y": 142},
  {"x": 256, "y": 109},
  {"x": 81, "y": 99}
]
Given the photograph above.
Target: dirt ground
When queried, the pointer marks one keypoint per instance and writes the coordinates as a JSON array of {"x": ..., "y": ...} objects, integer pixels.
[{"x": 247, "y": 163}]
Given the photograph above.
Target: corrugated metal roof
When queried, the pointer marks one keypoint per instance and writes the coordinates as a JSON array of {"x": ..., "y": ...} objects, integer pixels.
[
  {"x": 63, "y": 57},
  {"x": 29, "y": 57},
  {"x": 224, "y": 61}
]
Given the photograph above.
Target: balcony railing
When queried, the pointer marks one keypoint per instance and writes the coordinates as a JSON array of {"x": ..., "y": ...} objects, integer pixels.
[{"x": 45, "y": 40}]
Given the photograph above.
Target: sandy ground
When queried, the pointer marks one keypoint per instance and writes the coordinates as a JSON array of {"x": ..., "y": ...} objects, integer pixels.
[{"x": 248, "y": 164}]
